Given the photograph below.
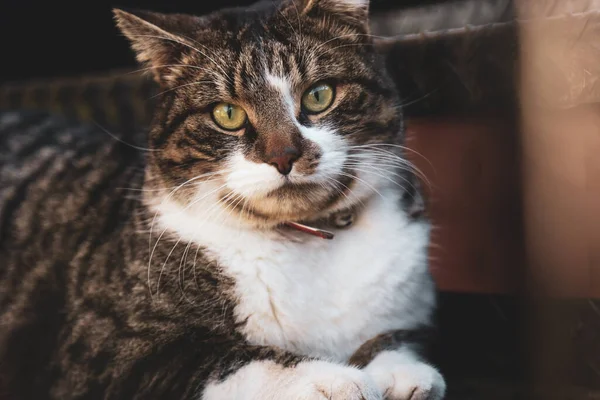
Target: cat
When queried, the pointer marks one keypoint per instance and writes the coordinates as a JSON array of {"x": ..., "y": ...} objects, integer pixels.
[{"x": 202, "y": 265}]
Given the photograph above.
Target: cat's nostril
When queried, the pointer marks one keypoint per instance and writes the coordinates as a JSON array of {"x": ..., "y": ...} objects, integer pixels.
[{"x": 283, "y": 163}]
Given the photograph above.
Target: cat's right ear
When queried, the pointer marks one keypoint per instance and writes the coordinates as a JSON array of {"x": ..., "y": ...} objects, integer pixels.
[
  {"x": 355, "y": 12},
  {"x": 160, "y": 41}
]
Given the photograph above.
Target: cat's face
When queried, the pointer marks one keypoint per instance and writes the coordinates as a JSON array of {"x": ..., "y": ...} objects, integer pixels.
[{"x": 278, "y": 109}]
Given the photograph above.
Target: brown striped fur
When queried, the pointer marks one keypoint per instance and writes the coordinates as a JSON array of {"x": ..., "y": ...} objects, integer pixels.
[{"x": 78, "y": 319}]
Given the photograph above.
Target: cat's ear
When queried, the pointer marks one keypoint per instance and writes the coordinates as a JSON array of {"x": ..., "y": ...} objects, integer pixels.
[
  {"x": 159, "y": 40},
  {"x": 352, "y": 11}
]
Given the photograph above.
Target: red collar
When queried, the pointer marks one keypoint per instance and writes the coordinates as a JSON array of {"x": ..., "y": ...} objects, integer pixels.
[
  {"x": 310, "y": 230},
  {"x": 340, "y": 220}
]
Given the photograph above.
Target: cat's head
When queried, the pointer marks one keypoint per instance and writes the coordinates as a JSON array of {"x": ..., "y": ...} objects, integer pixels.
[{"x": 278, "y": 111}]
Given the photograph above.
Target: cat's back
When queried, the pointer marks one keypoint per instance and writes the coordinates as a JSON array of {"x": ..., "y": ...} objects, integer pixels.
[
  {"x": 59, "y": 183},
  {"x": 62, "y": 205}
]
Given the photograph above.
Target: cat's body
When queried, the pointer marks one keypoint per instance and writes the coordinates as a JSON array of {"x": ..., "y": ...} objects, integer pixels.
[
  {"x": 167, "y": 273},
  {"x": 324, "y": 298}
]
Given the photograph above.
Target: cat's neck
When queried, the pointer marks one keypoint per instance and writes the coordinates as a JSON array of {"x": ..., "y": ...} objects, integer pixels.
[
  {"x": 188, "y": 218},
  {"x": 206, "y": 206}
]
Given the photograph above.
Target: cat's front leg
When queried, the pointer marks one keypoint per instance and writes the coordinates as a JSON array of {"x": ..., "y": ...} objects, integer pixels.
[
  {"x": 402, "y": 375},
  {"x": 393, "y": 362},
  {"x": 307, "y": 380}
]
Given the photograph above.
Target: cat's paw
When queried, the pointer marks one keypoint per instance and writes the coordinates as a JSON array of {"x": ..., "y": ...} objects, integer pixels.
[
  {"x": 400, "y": 376},
  {"x": 322, "y": 380},
  {"x": 309, "y": 380}
]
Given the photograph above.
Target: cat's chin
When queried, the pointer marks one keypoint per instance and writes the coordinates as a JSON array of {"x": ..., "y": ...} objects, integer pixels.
[{"x": 291, "y": 202}]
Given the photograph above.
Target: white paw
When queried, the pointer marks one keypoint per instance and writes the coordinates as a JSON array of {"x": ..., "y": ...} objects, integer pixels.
[
  {"x": 399, "y": 375},
  {"x": 323, "y": 380},
  {"x": 310, "y": 380}
]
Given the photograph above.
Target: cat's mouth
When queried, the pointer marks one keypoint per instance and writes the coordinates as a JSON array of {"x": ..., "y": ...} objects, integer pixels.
[{"x": 291, "y": 201}]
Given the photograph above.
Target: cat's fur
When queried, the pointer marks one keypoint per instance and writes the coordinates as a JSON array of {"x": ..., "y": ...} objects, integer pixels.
[{"x": 190, "y": 288}]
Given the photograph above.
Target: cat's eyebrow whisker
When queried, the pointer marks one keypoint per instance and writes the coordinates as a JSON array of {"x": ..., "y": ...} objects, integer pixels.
[
  {"x": 168, "y": 66},
  {"x": 287, "y": 20},
  {"x": 191, "y": 47},
  {"x": 298, "y": 17},
  {"x": 345, "y": 45},
  {"x": 178, "y": 87},
  {"x": 211, "y": 59},
  {"x": 346, "y": 36},
  {"x": 118, "y": 139}
]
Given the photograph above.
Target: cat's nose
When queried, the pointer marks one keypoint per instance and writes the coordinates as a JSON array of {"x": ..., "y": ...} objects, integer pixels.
[{"x": 284, "y": 161}]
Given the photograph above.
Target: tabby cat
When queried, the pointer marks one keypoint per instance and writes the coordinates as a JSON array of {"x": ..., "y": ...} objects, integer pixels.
[{"x": 200, "y": 265}]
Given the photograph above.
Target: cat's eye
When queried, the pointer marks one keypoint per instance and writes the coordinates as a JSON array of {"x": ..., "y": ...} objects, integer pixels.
[
  {"x": 318, "y": 98},
  {"x": 229, "y": 116}
]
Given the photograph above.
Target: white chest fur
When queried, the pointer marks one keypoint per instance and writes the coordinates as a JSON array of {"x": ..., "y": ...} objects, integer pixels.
[{"x": 325, "y": 298}]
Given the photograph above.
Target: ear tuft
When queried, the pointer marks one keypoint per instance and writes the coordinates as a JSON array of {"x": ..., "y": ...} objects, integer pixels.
[
  {"x": 353, "y": 11},
  {"x": 158, "y": 40}
]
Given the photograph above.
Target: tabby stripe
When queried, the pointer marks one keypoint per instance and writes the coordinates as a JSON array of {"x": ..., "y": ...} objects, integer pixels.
[
  {"x": 56, "y": 180},
  {"x": 230, "y": 81},
  {"x": 25, "y": 122},
  {"x": 281, "y": 38},
  {"x": 243, "y": 73},
  {"x": 12, "y": 205},
  {"x": 119, "y": 215},
  {"x": 175, "y": 124},
  {"x": 371, "y": 85},
  {"x": 42, "y": 137},
  {"x": 40, "y": 290},
  {"x": 143, "y": 378},
  {"x": 111, "y": 223}
]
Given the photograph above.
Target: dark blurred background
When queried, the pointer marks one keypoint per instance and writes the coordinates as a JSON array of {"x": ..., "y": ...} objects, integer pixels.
[
  {"x": 42, "y": 39},
  {"x": 464, "y": 113}
]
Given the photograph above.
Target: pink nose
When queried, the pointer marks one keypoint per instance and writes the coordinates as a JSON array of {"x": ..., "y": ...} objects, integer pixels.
[{"x": 284, "y": 161}]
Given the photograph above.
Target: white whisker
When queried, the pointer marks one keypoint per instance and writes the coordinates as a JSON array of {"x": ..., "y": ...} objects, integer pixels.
[
  {"x": 179, "y": 87},
  {"x": 363, "y": 182},
  {"x": 154, "y": 220},
  {"x": 118, "y": 139},
  {"x": 383, "y": 173},
  {"x": 191, "y": 47}
]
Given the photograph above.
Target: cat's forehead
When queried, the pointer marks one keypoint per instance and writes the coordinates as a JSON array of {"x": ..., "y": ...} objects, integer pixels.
[
  {"x": 273, "y": 33},
  {"x": 261, "y": 45}
]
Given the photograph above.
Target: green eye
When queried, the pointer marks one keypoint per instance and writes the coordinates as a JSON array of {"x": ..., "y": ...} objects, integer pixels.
[
  {"x": 318, "y": 98},
  {"x": 229, "y": 116}
]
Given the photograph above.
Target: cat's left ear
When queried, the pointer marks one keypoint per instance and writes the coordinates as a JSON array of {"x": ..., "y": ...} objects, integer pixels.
[
  {"x": 160, "y": 41},
  {"x": 355, "y": 12}
]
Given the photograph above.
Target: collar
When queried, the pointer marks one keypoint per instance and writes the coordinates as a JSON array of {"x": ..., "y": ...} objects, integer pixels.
[{"x": 339, "y": 220}]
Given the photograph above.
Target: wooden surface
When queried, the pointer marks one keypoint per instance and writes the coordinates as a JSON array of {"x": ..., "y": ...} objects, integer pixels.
[
  {"x": 474, "y": 201},
  {"x": 560, "y": 63}
]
